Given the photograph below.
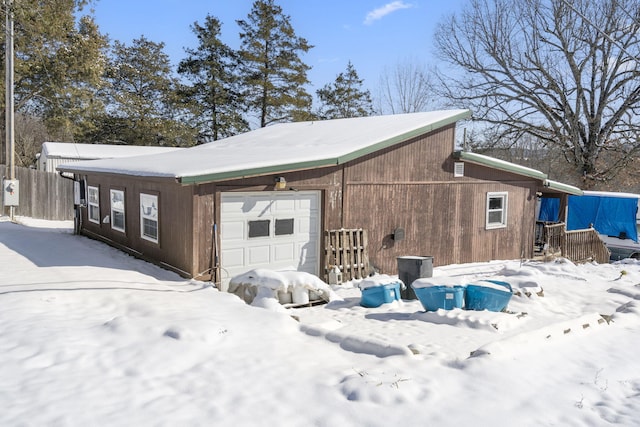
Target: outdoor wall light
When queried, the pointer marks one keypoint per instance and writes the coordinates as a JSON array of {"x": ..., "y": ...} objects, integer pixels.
[{"x": 281, "y": 183}]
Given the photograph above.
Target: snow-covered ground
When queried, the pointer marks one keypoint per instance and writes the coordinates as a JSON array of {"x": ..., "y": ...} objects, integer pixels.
[{"x": 92, "y": 337}]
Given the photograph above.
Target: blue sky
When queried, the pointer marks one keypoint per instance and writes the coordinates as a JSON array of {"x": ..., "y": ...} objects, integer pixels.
[{"x": 372, "y": 34}]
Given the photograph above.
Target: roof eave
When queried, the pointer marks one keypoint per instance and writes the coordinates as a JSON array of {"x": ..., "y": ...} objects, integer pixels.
[
  {"x": 563, "y": 188},
  {"x": 499, "y": 164},
  {"x": 246, "y": 173}
]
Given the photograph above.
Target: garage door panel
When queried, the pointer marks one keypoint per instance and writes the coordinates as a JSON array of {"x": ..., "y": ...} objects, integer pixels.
[
  {"x": 259, "y": 254},
  {"x": 258, "y": 208},
  {"x": 303, "y": 225},
  {"x": 308, "y": 203},
  {"x": 233, "y": 230},
  {"x": 284, "y": 252},
  {"x": 307, "y": 257},
  {"x": 285, "y": 205},
  {"x": 293, "y": 232},
  {"x": 232, "y": 205},
  {"x": 233, "y": 258},
  {"x": 307, "y": 249}
]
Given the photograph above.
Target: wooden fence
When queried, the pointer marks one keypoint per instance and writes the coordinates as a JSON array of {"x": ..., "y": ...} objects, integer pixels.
[
  {"x": 576, "y": 245},
  {"x": 43, "y": 195},
  {"x": 346, "y": 249},
  {"x": 585, "y": 246},
  {"x": 553, "y": 237}
]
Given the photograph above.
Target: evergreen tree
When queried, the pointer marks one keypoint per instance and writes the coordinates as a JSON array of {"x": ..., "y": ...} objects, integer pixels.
[
  {"x": 143, "y": 106},
  {"x": 215, "y": 92},
  {"x": 273, "y": 73},
  {"x": 59, "y": 58},
  {"x": 345, "y": 97}
]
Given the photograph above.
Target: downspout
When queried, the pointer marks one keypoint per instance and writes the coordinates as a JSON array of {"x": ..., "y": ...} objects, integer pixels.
[{"x": 77, "y": 213}]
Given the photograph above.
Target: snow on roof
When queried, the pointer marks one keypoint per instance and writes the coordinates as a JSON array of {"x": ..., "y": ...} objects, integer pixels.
[
  {"x": 499, "y": 164},
  {"x": 565, "y": 188},
  {"x": 70, "y": 150},
  {"x": 278, "y": 148}
]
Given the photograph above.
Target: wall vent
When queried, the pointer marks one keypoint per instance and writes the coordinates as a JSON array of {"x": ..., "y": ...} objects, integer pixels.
[{"x": 458, "y": 169}]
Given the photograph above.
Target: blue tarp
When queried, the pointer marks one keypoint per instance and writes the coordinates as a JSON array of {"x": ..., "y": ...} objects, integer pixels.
[
  {"x": 549, "y": 209},
  {"x": 611, "y": 216}
]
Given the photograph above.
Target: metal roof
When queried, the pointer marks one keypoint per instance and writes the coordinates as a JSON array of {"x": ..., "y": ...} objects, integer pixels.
[
  {"x": 279, "y": 148},
  {"x": 494, "y": 163},
  {"x": 503, "y": 165},
  {"x": 564, "y": 188}
]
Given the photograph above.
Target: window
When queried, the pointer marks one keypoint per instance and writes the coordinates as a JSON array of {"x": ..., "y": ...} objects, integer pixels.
[
  {"x": 496, "y": 210},
  {"x": 259, "y": 228},
  {"x": 284, "y": 226},
  {"x": 94, "y": 204},
  {"x": 149, "y": 217},
  {"x": 117, "y": 210}
]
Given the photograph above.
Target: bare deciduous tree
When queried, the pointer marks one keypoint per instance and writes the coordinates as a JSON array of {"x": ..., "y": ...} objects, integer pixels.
[
  {"x": 407, "y": 88},
  {"x": 564, "y": 72},
  {"x": 31, "y": 132}
]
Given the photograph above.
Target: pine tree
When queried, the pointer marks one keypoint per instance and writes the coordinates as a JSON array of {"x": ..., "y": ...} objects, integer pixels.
[
  {"x": 345, "y": 97},
  {"x": 143, "y": 106},
  {"x": 59, "y": 59},
  {"x": 215, "y": 93},
  {"x": 273, "y": 73}
]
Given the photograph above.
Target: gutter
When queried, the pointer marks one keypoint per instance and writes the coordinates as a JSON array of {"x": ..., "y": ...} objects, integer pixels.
[
  {"x": 502, "y": 165},
  {"x": 565, "y": 188}
]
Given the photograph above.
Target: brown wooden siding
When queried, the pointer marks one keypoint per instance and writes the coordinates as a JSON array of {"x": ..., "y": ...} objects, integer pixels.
[
  {"x": 425, "y": 158},
  {"x": 204, "y": 217},
  {"x": 446, "y": 221},
  {"x": 326, "y": 180},
  {"x": 410, "y": 186},
  {"x": 175, "y": 219}
]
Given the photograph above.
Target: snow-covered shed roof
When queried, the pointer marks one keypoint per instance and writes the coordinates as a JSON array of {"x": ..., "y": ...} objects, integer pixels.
[
  {"x": 70, "y": 150},
  {"x": 278, "y": 148},
  {"x": 563, "y": 188},
  {"x": 503, "y": 165},
  {"x": 492, "y": 162}
]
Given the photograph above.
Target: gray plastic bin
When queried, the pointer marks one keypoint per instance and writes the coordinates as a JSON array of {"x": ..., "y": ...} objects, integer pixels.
[{"x": 411, "y": 268}]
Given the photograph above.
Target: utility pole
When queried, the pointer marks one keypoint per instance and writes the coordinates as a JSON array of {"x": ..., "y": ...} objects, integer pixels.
[
  {"x": 9, "y": 125},
  {"x": 9, "y": 186}
]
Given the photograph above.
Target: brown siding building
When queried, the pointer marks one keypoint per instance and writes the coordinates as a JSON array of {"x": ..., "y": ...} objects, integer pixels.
[{"x": 265, "y": 198}]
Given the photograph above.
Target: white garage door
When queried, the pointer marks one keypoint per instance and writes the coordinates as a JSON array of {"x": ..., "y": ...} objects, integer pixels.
[{"x": 274, "y": 230}]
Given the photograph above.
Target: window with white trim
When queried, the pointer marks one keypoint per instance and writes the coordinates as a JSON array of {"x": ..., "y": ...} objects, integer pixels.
[
  {"x": 93, "y": 196},
  {"x": 149, "y": 217},
  {"x": 117, "y": 210},
  {"x": 496, "y": 210}
]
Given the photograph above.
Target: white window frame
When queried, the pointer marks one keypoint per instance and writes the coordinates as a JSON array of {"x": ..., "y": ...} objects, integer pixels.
[
  {"x": 93, "y": 204},
  {"x": 503, "y": 210},
  {"x": 149, "y": 212},
  {"x": 115, "y": 209}
]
